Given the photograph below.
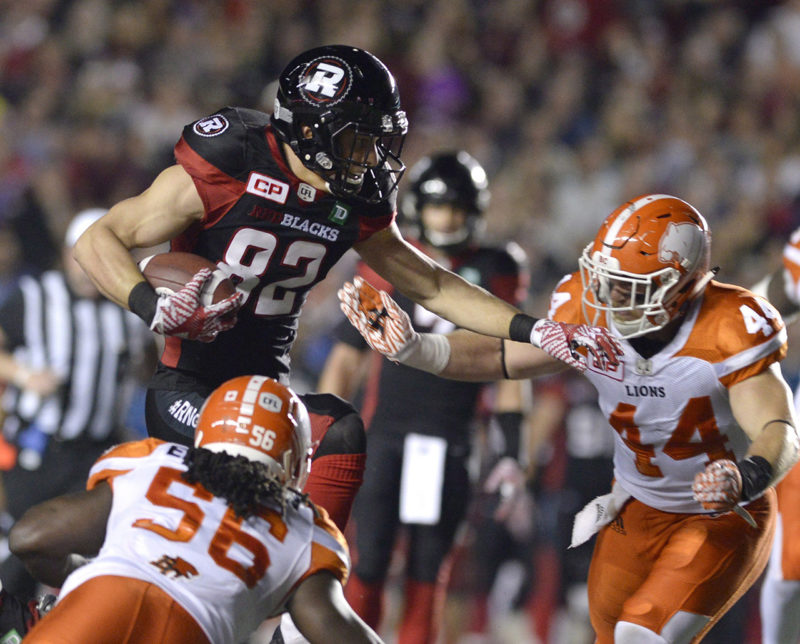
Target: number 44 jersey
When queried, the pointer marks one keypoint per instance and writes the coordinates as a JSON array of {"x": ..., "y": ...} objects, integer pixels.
[
  {"x": 228, "y": 573},
  {"x": 670, "y": 412}
]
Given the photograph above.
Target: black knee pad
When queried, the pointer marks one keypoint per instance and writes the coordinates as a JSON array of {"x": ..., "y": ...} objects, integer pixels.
[{"x": 346, "y": 433}]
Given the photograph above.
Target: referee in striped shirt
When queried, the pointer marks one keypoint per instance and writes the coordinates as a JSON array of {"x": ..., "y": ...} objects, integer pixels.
[{"x": 71, "y": 360}]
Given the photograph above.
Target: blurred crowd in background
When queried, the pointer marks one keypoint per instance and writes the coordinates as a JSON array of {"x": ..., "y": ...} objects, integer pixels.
[{"x": 572, "y": 106}]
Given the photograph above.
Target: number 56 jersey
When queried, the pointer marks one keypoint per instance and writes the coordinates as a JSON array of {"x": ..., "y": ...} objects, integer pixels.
[
  {"x": 671, "y": 412},
  {"x": 228, "y": 573}
]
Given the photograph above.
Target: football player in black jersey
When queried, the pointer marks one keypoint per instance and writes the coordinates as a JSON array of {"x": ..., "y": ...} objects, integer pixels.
[
  {"x": 444, "y": 205},
  {"x": 275, "y": 201}
]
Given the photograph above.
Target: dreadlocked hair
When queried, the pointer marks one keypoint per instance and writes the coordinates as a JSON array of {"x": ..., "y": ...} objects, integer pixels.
[{"x": 246, "y": 485}]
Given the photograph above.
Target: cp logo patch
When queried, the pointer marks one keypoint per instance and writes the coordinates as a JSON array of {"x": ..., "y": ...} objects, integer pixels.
[
  {"x": 211, "y": 125},
  {"x": 325, "y": 80}
]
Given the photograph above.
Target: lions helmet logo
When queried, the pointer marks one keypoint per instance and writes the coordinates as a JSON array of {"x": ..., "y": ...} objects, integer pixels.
[
  {"x": 679, "y": 243},
  {"x": 325, "y": 80}
]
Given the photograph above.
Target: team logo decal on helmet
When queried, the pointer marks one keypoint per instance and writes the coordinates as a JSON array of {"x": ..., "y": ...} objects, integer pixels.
[
  {"x": 211, "y": 125},
  {"x": 679, "y": 243},
  {"x": 325, "y": 80}
]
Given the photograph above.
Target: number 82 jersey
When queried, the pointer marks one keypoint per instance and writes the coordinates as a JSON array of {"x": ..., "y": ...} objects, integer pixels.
[{"x": 274, "y": 235}]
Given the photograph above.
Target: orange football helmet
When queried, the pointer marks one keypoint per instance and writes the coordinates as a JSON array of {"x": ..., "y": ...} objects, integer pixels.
[
  {"x": 649, "y": 260},
  {"x": 260, "y": 419}
]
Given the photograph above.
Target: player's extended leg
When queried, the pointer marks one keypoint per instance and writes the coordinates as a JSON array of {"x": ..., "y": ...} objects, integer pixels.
[
  {"x": 337, "y": 464},
  {"x": 659, "y": 577},
  {"x": 376, "y": 523},
  {"x": 429, "y": 561},
  {"x": 780, "y": 591}
]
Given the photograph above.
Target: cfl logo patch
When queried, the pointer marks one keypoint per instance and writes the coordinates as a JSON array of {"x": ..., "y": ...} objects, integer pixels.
[
  {"x": 211, "y": 125},
  {"x": 267, "y": 187}
]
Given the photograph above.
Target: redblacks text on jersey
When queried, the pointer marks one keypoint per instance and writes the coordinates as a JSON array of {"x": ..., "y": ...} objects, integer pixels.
[{"x": 274, "y": 235}]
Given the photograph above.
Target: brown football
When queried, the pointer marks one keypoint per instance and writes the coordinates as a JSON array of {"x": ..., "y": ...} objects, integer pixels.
[{"x": 170, "y": 272}]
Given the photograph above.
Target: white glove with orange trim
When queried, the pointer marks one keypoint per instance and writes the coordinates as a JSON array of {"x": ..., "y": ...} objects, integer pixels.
[
  {"x": 388, "y": 329},
  {"x": 719, "y": 486}
]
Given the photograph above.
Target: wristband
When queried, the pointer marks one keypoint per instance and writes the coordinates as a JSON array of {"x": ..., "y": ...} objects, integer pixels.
[
  {"x": 429, "y": 352},
  {"x": 143, "y": 301},
  {"x": 521, "y": 327},
  {"x": 756, "y": 476},
  {"x": 509, "y": 423}
]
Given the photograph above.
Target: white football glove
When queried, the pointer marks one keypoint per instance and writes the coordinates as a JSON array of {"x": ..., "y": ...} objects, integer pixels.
[
  {"x": 507, "y": 479},
  {"x": 383, "y": 324},
  {"x": 574, "y": 344},
  {"x": 719, "y": 486},
  {"x": 388, "y": 330},
  {"x": 182, "y": 314}
]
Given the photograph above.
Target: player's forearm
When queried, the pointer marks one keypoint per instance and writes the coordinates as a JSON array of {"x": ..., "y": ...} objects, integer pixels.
[
  {"x": 343, "y": 371},
  {"x": 108, "y": 262},
  {"x": 778, "y": 445},
  {"x": 467, "y": 305},
  {"x": 473, "y": 357},
  {"x": 763, "y": 407}
]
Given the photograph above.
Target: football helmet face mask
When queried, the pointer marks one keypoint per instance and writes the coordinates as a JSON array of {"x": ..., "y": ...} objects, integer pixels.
[
  {"x": 338, "y": 108},
  {"x": 648, "y": 261},
  {"x": 453, "y": 179},
  {"x": 262, "y": 420}
]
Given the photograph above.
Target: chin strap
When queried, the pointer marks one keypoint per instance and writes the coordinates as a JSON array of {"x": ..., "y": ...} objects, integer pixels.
[{"x": 703, "y": 282}]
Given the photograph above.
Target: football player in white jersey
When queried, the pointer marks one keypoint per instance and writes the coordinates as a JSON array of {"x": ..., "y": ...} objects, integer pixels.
[
  {"x": 780, "y": 590},
  {"x": 704, "y": 422},
  {"x": 195, "y": 544}
]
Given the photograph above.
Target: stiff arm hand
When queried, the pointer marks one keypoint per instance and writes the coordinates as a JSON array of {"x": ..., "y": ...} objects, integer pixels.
[{"x": 388, "y": 330}]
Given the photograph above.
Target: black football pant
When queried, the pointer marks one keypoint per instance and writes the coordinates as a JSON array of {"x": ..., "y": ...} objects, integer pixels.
[
  {"x": 376, "y": 512},
  {"x": 337, "y": 436}
]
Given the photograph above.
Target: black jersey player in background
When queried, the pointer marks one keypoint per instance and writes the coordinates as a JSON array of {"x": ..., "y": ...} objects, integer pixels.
[{"x": 406, "y": 411}]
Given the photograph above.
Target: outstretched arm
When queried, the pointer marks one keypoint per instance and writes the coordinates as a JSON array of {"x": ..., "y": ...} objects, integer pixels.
[
  {"x": 464, "y": 355},
  {"x": 52, "y": 538},
  {"x": 437, "y": 289},
  {"x": 322, "y": 614}
]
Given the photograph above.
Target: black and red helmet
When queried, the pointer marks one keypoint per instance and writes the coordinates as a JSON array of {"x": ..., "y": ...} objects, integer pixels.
[
  {"x": 451, "y": 178},
  {"x": 330, "y": 101}
]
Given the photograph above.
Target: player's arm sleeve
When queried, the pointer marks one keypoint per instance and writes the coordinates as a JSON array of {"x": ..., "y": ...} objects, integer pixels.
[
  {"x": 217, "y": 164},
  {"x": 119, "y": 460},
  {"x": 748, "y": 340}
]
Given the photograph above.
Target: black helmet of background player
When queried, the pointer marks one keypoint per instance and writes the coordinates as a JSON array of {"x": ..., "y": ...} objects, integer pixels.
[
  {"x": 454, "y": 179},
  {"x": 339, "y": 109}
]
